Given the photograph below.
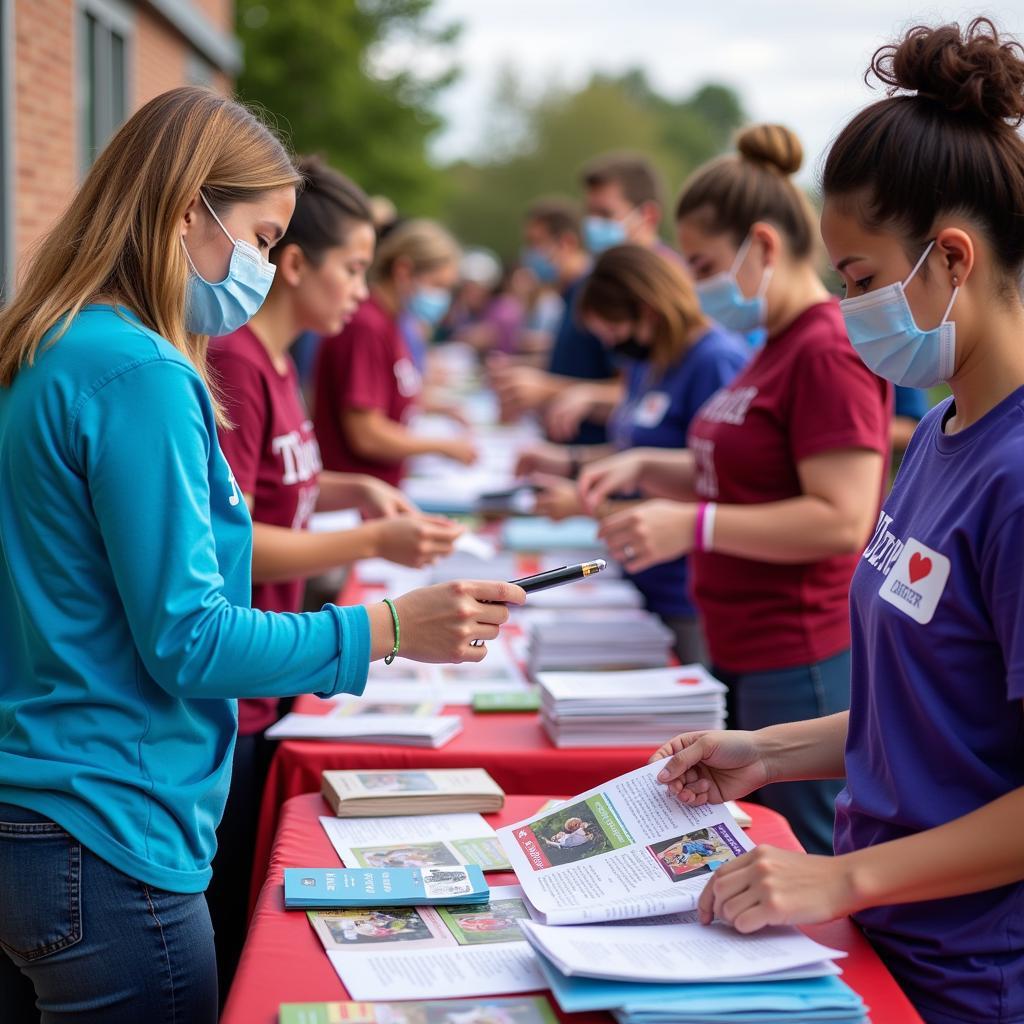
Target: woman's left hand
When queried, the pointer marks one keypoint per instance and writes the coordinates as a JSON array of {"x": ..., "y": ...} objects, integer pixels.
[
  {"x": 649, "y": 533},
  {"x": 378, "y": 500},
  {"x": 769, "y": 886},
  {"x": 557, "y": 497}
]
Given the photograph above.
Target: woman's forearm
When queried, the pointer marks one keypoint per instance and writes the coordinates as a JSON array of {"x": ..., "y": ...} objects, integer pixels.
[
  {"x": 668, "y": 473},
  {"x": 339, "y": 490},
  {"x": 812, "y": 749},
  {"x": 981, "y": 850},
  {"x": 280, "y": 553},
  {"x": 374, "y": 437}
]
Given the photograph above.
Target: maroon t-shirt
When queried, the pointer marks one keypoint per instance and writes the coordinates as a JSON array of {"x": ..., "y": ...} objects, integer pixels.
[
  {"x": 273, "y": 454},
  {"x": 366, "y": 366},
  {"x": 805, "y": 393}
]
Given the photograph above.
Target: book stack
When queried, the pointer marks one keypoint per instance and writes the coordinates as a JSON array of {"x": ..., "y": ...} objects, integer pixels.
[
  {"x": 380, "y": 793},
  {"x": 612, "y": 709},
  {"x": 584, "y": 645},
  {"x": 404, "y": 730}
]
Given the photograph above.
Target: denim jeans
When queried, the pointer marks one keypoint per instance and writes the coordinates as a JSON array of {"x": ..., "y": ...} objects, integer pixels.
[
  {"x": 81, "y": 942},
  {"x": 757, "y": 699}
]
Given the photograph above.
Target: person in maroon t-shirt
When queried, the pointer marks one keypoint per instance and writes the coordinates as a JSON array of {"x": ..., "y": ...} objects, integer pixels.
[
  {"x": 782, "y": 479},
  {"x": 273, "y": 453},
  {"x": 366, "y": 378}
]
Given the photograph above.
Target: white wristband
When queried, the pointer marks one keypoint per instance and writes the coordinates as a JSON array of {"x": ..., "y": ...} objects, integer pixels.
[{"x": 707, "y": 536}]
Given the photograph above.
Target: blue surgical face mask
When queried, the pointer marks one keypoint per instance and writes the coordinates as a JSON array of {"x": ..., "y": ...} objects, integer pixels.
[
  {"x": 882, "y": 329},
  {"x": 429, "y": 304},
  {"x": 721, "y": 299},
  {"x": 600, "y": 233},
  {"x": 220, "y": 307},
  {"x": 542, "y": 266}
]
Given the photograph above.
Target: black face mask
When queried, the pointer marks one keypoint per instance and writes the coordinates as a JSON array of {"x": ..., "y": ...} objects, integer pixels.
[{"x": 632, "y": 349}]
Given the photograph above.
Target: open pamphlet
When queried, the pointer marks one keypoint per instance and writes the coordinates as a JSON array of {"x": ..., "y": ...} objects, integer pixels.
[
  {"x": 426, "y": 952},
  {"x": 391, "y": 729},
  {"x": 679, "y": 949},
  {"x": 514, "y": 1010},
  {"x": 370, "y": 887},
  {"x": 380, "y": 793},
  {"x": 416, "y": 841},
  {"x": 623, "y": 850}
]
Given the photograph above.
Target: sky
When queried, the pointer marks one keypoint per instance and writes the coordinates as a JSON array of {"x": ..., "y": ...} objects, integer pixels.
[{"x": 796, "y": 62}]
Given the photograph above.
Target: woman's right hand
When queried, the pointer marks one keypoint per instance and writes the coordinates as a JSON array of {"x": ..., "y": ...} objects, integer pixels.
[
  {"x": 712, "y": 767},
  {"x": 438, "y": 623},
  {"x": 617, "y": 474},
  {"x": 544, "y": 457},
  {"x": 415, "y": 540}
]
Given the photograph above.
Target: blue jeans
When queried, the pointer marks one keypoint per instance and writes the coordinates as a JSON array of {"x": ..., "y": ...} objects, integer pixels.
[
  {"x": 757, "y": 699},
  {"x": 81, "y": 942}
]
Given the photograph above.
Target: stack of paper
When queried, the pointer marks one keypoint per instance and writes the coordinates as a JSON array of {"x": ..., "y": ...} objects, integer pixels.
[
  {"x": 394, "y": 730},
  {"x": 597, "y": 709},
  {"x": 363, "y": 794},
  {"x": 583, "y": 646},
  {"x": 327, "y": 888},
  {"x": 537, "y": 533}
]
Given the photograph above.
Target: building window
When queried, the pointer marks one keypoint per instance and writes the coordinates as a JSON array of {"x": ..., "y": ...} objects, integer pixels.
[{"x": 105, "y": 30}]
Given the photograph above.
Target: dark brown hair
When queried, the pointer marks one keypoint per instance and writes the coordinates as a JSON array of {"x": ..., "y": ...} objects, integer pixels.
[
  {"x": 729, "y": 194},
  {"x": 626, "y": 280},
  {"x": 952, "y": 147},
  {"x": 559, "y": 216},
  {"x": 326, "y": 209},
  {"x": 633, "y": 173}
]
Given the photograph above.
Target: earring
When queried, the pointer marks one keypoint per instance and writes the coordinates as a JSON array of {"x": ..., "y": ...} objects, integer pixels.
[{"x": 956, "y": 281}]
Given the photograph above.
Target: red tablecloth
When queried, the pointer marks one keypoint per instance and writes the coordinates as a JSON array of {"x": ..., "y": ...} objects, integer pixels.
[
  {"x": 513, "y": 747},
  {"x": 283, "y": 961}
]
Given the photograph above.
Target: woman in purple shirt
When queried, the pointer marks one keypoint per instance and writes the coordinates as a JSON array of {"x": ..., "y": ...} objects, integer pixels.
[{"x": 924, "y": 202}]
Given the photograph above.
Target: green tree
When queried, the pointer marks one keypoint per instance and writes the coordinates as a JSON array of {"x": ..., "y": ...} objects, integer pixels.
[
  {"x": 335, "y": 74},
  {"x": 557, "y": 133}
]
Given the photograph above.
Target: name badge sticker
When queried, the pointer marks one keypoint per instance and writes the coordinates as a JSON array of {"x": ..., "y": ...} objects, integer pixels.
[
  {"x": 651, "y": 409},
  {"x": 916, "y": 581}
]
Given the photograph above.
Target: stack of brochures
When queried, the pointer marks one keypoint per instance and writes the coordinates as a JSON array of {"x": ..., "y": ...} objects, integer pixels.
[
  {"x": 642, "y": 952},
  {"x": 337, "y": 888},
  {"x": 644, "y": 708},
  {"x": 378, "y": 793},
  {"x": 537, "y": 533},
  {"x": 406, "y": 730},
  {"x": 582, "y": 645}
]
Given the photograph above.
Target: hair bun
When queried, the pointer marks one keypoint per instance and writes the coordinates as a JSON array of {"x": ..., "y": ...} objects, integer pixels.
[
  {"x": 969, "y": 71},
  {"x": 772, "y": 145}
]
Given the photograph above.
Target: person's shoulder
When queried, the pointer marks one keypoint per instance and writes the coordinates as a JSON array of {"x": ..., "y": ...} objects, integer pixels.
[
  {"x": 240, "y": 346},
  {"x": 370, "y": 320}
]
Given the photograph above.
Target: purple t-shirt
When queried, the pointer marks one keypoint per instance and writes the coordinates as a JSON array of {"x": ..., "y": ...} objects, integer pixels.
[
  {"x": 656, "y": 413},
  {"x": 936, "y": 720}
]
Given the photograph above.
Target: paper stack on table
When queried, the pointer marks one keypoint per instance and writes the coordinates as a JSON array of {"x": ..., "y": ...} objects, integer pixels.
[
  {"x": 614, "y": 709},
  {"x": 336, "y": 888},
  {"x": 431, "y": 732},
  {"x": 537, "y": 533},
  {"x": 380, "y": 793},
  {"x": 580, "y": 646}
]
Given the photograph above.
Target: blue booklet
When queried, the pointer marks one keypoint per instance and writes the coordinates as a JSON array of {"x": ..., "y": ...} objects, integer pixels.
[{"x": 306, "y": 888}]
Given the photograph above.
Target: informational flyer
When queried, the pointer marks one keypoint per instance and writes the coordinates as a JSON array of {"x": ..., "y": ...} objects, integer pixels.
[
  {"x": 626, "y": 849},
  {"x": 427, "y": 953},
  {"x": 416, "y": 841}
]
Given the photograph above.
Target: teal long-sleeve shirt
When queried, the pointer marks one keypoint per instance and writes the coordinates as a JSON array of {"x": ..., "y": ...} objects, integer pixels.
[{"x": 125, "y": 625}]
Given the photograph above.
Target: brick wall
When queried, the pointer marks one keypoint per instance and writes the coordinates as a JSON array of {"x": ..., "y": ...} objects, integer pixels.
[{"x": 45, "y": 101}]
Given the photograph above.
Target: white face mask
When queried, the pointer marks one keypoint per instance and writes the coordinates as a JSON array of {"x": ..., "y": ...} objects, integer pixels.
[
  {"x": 220, "y": 307},
  {"x": 882, "y": 329}
]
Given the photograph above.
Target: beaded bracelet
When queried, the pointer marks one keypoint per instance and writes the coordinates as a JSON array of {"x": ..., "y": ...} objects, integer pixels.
[{"x": 398, "y": 631}]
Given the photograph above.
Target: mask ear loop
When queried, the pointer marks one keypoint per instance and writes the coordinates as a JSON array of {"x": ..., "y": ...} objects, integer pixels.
[
  {"x": 216, "y": 218},
  {"x": 741, "y": 255},
  {"x": 917, "y": 267}
]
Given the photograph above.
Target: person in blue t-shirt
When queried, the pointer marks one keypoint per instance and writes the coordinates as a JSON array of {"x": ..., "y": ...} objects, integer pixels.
[
  {"x": 909, "y": 408},
  {"x": 933, "y": 738},
  {"x": 126, "y": 631},
  {"x": 623, "y": 202},
  {"x": 646, "y": 312}
]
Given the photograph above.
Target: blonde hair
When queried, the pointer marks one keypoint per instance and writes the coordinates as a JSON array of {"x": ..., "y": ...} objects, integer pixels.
[
  {"x": 424, "y": 243},
  {"x": 628, "y": 279},
  {"x": 120, "y": 235}
]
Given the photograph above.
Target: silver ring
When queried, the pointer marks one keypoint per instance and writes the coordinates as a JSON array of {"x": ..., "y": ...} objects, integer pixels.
[{"x": 629, "y": 552}]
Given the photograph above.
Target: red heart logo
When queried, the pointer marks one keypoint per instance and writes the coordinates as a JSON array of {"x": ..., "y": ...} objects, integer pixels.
[
  {"x": 919, "y": 567},
  {"x": 687, "y": 681}
]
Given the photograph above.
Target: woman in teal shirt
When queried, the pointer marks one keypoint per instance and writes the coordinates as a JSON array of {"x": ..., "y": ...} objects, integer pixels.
[{"x": 125, "y": 555}]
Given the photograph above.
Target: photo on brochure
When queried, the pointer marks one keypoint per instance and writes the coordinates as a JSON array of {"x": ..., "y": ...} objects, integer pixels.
[
  {"x": 699, "y": 852},
  {"x": 482, "y": 925},
  {"x": 575, "y": 832},
  {"x": 397, "y": 782},
  {"x": 361, "y": 928},
  {"x": 408, "y": 855},
  {"x": 359, "y": 709},
  {"x": 497, "y": 1011},
  {"x": 507, "y": 1010}
]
